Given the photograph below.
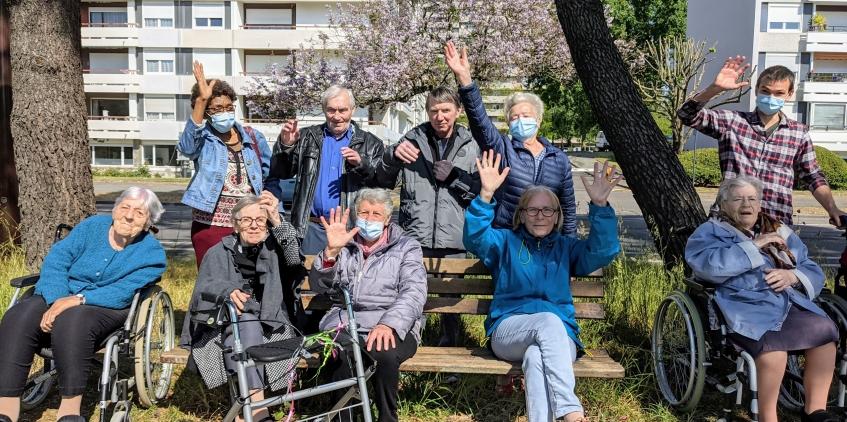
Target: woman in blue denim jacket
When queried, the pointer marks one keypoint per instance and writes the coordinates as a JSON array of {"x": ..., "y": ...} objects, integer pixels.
[
  {"x": 765, "y": 287},
  {"x": 231, "y": 161},
  {"x": 532, "y": 317}
]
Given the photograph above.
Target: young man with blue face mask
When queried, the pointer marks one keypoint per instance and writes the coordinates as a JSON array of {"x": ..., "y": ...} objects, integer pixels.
[{"x": 763, "y": 143}]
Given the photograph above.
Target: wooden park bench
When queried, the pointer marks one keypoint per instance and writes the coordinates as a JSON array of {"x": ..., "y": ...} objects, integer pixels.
[{"x": 446, "y": 278}]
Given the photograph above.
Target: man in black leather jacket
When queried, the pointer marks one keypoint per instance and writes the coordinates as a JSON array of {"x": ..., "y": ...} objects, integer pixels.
[{"x": 331, "y": 161}]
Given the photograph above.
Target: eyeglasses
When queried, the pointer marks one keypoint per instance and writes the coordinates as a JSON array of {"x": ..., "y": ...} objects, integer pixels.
[
  {"x": 248, "y": 221},
  {"x": 533, "y": 212},
  {"x": 217, "y": 110}
]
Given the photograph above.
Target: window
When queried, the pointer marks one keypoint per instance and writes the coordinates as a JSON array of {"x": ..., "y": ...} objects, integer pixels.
[
  {"x": 214, "y": 60},
  {"x": 260, "y": 64},
  {"x": 267, "y": 17},
  {"x": 108, "y": 62},
  {"x": 208, "y": 15},
  {"x": 159, "y": 155},
  {"x": 158, "y": 14},
  {"x": 828, "y": 116},
  {"x": 109, "y": 107},
  {"x": 102, "y": 155},
  {"x": 159, "y": 61},
  {"x": 784, "y": 17},
  {"x": 103, "y": 16},
  {"x": 159, "y": 108},
  {"x": 789, "y": 60},
  {"x": 158, "y": 23}
]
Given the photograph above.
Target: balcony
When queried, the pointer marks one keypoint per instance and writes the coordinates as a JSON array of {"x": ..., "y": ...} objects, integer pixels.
[
  {"x": 113, "y": 127},
  {"x": 110, "y": 35},
  {"x": 111, "y": 80},
  {"x": 829, "y": 41},
  {"x": 831, "y": 138},
  {"x": 284, "y": 37}
]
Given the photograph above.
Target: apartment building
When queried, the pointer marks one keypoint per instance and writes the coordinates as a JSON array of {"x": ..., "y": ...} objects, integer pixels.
[
  {"x": 137, "y": 62},
  {"x": 809, "y": 37}
]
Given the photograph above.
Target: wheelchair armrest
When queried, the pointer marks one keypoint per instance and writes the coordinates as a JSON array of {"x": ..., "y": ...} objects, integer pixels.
[
  {"x": 25, "y": 281},
  {"x": 700, "y": 286}
]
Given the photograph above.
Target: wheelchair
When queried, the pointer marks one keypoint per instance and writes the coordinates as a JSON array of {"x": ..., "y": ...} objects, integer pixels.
[
  {"x": 691, "y": 349},
  {"x": 130, "y": 354},
  {"x": 293, "y": 348}
]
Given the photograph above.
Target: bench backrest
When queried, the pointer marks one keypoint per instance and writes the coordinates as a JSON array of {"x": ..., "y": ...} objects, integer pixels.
[{"x": 469, "y": 277}]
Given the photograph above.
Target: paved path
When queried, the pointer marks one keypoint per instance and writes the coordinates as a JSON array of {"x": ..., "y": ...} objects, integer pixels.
[{"x": 824, "y": 241}]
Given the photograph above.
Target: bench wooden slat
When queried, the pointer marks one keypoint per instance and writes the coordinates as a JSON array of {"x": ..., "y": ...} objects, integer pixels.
[
  {"x": 476, "y": 286},
  {"x": 450, "y": 305},
  {"x": 595, "y": 364},
  {"x": 452, "y": 266}
]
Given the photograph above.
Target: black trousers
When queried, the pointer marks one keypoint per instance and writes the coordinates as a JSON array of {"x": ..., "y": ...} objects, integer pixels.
[
  {"x": 77, "y": 334},
  {"x": 386, "y": 379}
]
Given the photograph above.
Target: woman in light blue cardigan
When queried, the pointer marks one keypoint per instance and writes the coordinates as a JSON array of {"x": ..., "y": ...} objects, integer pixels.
[
  {"x": 83, "y": 295},
  {"x": 532, "y": 317},
  {"x": 765, "y": 287}
]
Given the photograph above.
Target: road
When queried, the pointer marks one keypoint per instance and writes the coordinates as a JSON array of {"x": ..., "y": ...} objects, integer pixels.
[{"x": 824, "y": 241}]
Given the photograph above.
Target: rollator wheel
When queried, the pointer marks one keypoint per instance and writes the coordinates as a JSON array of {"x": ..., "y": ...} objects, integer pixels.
[
  {"x": 120, "y": 416},
  {"x": 679, "y": 351},
  {"x": 791, "y": 392},
  {"x": 155, "y": 334},
  {"x": 39, "y": 383}
]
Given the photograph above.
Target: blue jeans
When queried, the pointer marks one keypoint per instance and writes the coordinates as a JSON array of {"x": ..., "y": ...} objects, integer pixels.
[{"x": 541, "y": 342}]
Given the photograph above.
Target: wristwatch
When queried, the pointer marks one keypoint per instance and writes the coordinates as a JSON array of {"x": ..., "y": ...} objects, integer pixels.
[{"x": 81, "y": 298}]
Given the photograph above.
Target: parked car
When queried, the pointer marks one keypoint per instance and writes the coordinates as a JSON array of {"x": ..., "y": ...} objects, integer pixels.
[{"x": 287, "y": 188}]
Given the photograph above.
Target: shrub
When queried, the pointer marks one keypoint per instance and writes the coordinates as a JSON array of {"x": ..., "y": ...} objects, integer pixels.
[
  {"x": 833, "y": 167},
  {"x": 116, "y": 172},
  {"x": 702, "y": 166}
]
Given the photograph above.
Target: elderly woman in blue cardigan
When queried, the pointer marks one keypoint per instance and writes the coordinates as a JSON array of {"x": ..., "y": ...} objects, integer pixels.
[
  {"x": 83, "y": 295},
  {"x": 532, "y": 318},
  {"x": 765, "y": 287}
]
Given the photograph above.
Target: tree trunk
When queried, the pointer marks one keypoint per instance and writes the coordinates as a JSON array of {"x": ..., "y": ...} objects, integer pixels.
[
  {"x": 9, "y": 214},
  {"x": 48, "y": 121},
  {"x": 668, "y": 201}
]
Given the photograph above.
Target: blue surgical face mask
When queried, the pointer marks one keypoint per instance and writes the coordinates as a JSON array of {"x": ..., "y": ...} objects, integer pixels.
[
  {"x": 523, "y": 128},
  {"x": 222, "y": 122},
  {"x": 370, "y": 230},
  {"x": 769, "y": 104}
]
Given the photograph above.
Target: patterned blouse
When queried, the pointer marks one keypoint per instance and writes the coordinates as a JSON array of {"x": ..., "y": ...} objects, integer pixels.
[{"x": 236, "y": 186}]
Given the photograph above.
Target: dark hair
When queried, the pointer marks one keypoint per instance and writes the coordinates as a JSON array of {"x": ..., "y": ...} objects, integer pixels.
[
  {"x": 775, "y": 74},
  {"x": 220, "y": 88},
  {"x": 443, "y": 94}
]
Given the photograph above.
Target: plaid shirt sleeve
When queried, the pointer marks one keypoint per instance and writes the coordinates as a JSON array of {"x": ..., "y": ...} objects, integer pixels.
[
  {"x": 708, "y": 121},
  {"x": 806, "y": 165}
]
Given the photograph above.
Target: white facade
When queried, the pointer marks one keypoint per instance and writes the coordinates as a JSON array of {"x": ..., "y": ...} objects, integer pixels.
[
  {"x": 783, "y": 33},
  {"x": 137, "y": 59}
]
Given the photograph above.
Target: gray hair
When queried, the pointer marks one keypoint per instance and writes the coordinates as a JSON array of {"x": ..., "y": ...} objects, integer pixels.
[
  {"x": 335, "y": 91},
  {"x": 150, "y": 201},
  {"x": 243, "y": 203},
  {"x": 443, "y": 94},
  {"x": 730, "y": 185},
  {"x": 376, "y": 196},
  {"x": 524, "y": 97}
]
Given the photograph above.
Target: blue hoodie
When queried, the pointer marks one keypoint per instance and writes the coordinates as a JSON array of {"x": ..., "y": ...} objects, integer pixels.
[{"x": 532, "y": 275}]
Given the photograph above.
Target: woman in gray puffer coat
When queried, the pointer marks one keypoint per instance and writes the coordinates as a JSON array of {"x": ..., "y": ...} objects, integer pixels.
[{"x": 383, "y": 270}]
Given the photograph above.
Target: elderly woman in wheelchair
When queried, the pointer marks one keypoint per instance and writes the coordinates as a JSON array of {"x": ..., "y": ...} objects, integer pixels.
[
  {"x": 247, "y": 268},
  {"x": 82, "y": 296},
  {"x": 765, "y": 285}
]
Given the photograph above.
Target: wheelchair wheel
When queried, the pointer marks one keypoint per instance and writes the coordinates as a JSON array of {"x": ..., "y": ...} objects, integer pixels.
[
  {"x": 792, "y": 394},
  {"x": 155, "y": 335},
  {"x": 120, "y": 416},
  {"x": 39, "y": 383},
  {"x": 679, "y": 351}
]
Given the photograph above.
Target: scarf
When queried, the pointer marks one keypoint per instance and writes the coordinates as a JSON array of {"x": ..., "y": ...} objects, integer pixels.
[{"x": 765, "y": 224}]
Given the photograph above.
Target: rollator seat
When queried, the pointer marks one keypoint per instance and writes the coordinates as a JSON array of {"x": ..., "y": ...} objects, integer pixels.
[{"x": 276, "y": 350}]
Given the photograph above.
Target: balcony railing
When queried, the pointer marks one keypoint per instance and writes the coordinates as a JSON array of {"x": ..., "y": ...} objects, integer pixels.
[
  {"x": 109, "y": 71},
  {"x": 109, "y": 25},
  {"x": 828, "y": 28},
  {"x": 269, "y": 26},
  {"x": 125, "y": 118},
  {"x": 827, "y": 127}
]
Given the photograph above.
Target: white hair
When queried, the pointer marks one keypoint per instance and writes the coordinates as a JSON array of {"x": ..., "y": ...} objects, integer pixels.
[
  {"x": 524, "y": 97},
  {"x": 150, "y": 201},
  {"x": 376, "y": 196},
  {"x": 730, "y": 185},
  {"x": 244, "y": 203},
  {"x": 335, "y": 91}
]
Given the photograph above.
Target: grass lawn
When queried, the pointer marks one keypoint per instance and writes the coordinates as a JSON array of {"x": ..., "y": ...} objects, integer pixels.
[{"x": 633, "y": 292}]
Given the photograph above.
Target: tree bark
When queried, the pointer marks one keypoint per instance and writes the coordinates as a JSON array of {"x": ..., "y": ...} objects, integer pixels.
[
  {"x": 668, "y": 201},
  {"x": 9, "y": 214},
  {"x": 48, "y": 121}
]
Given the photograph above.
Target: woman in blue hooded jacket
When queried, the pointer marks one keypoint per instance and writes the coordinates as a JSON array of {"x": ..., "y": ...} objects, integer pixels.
[
  {"x": 532, "y": 317},
  {"x": 534, "y": 161},
  {"x": 231, "y": 161}
]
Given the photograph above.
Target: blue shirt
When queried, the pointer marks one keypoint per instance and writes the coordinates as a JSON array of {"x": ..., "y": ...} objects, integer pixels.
[
  {"x": 84, "y": 262},
  {"x": 531, "y": 275},
  {"x": 328, "y": 187}
]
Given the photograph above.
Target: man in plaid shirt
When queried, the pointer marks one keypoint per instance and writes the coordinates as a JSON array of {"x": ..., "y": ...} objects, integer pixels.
[{"x": 763, "y": 143}]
